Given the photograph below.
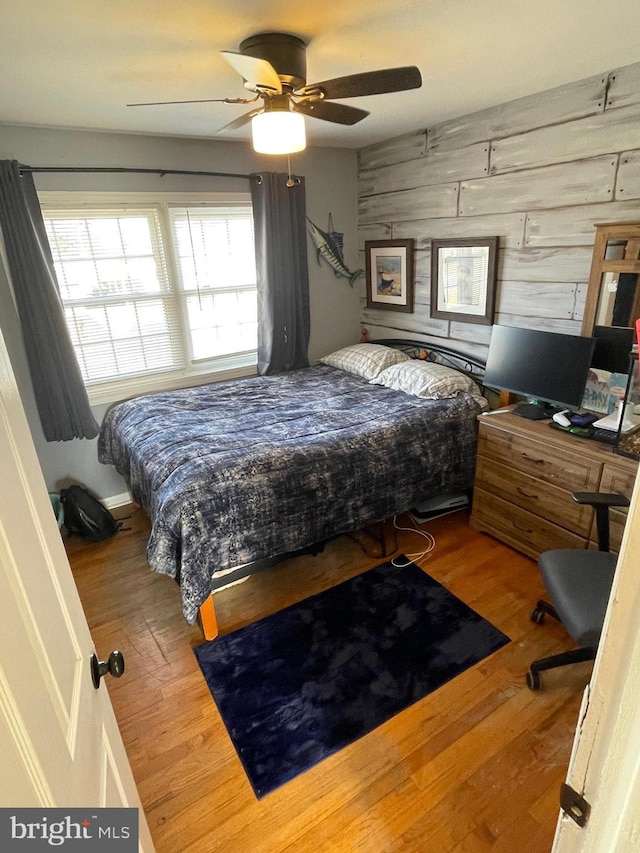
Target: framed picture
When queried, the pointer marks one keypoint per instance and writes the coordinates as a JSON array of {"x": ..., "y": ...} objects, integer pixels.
[
  {"x": 390, "y": 274},
  {"x": 463, "y": 279}
]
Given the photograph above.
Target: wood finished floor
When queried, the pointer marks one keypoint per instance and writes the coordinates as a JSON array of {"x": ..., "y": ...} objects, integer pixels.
[{"x": 476, "y": 766}]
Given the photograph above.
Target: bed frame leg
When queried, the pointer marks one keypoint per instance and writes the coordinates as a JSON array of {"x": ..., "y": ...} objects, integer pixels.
[
  {"x": 208, "y": 621},
  {"x": 381, "y": 536}
]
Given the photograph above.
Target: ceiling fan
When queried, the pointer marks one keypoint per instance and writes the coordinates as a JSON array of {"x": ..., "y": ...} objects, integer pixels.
[{"x": 274, "y": 67}]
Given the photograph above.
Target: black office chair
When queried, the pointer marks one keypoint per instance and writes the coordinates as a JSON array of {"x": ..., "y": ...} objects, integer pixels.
[{"x": 579, "y": 584}]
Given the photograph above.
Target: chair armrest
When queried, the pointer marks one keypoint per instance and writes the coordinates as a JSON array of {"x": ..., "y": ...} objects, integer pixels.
[
  {"x": 600, "y": 498},
  {"x": 601, "y": 501}
]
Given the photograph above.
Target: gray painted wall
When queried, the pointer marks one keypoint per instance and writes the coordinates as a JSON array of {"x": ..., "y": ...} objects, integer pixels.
[
  {"x": 330, "y": 187},
  {"x": 538, "y": 173}
]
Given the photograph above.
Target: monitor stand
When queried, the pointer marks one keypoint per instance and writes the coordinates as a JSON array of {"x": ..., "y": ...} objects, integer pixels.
[{"x": 534, "y": 411}]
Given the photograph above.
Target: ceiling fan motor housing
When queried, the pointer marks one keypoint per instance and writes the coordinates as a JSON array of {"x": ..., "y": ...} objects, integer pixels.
[{"x": 286, "y": 53}]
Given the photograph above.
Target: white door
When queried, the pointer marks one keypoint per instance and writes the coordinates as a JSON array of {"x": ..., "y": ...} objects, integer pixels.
[
  {"x": 605, "y": 763},
  {"x": 59, "y": 741}
]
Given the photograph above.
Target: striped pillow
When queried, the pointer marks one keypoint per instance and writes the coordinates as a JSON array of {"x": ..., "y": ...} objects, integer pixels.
[
  {"x": 366, "y": 360},
  {"x": 426, "y": 379}
]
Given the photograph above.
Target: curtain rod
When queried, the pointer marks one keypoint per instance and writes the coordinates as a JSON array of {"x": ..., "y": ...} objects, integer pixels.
[{"x": 161, "y": 172}]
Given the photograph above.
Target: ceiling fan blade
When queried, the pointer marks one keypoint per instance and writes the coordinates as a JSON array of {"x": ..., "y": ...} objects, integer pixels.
[
  {"x": 338, "y": 113},
  {"x": 199, "y": 101},
  {"x": 258, "y": 73},
  {"x": 368, "y": 83},
  {"x": 240, "y": 121}
]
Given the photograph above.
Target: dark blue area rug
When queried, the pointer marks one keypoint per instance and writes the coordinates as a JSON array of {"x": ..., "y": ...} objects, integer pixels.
[{"x": 303, "y": 683}]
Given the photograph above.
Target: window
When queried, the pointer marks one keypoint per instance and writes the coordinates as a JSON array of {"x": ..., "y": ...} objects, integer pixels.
[
  {"x": 155, "y": 294},
  {"x": 217, "y": 275}
]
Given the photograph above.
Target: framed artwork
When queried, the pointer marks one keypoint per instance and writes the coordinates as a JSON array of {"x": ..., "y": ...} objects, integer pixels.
[
  {"x": 390, "y": 270},
  {"x": 463, "y": 279}
]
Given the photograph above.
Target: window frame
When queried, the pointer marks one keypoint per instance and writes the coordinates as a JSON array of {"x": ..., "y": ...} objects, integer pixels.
[{"x": 193, "y": 371}]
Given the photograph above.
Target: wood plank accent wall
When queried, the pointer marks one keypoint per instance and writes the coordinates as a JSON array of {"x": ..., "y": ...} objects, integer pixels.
[{"x": 538, "y": 172}]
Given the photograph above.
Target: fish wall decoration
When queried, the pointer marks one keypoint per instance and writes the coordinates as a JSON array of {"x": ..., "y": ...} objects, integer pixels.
[{"x": 328, "y": 245}]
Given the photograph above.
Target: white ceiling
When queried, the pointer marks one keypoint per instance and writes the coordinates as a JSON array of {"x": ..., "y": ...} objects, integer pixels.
[{"x": 77, "y": 63}]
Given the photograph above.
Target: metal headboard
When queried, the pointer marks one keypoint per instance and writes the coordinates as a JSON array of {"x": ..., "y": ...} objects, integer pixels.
[{"x": 473, "y": 367}]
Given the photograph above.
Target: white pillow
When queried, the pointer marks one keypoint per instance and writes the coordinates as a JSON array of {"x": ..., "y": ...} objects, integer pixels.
[
  {"x": 366, "y": 360},
  {"x": 426, "y": 379}
]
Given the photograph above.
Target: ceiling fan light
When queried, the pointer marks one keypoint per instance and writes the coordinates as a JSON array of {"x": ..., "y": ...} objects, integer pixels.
[{"x": 278, "y": 132}]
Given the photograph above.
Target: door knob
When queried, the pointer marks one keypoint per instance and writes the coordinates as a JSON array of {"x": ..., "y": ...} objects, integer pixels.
[{"x": 113, "y": 666}]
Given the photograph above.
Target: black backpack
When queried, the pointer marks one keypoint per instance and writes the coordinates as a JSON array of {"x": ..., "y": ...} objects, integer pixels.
[{"x": 85, "y": 516}]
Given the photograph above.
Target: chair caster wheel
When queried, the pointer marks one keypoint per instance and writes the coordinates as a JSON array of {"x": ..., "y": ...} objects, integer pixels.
[
  {"x": 533, "y": 680},
  {"x": 537, "y": 616}
]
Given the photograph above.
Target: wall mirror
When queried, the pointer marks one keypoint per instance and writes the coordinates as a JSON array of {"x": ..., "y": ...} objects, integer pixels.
[
  {"x": 463, "y": 279},
  {"x": 613, "y": 295}
]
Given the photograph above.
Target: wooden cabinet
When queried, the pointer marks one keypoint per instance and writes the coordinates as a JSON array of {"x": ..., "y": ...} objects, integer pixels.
[
  {"x": 616, "y": 250},
  {"x": 525, "y": 474}
]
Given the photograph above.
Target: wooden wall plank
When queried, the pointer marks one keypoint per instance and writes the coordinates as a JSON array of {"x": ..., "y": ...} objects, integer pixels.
[
  {"x": 472, "y": 333},
  {"x": 561, "y": 104},
  {"x": 580, "y": 182},
  {"x": 509, "y": 227},
  {"x": 612, "y": 131},
  {"x": 415, "y": 323},
  {"x": 422, "y": 294},
  {"x": 624, "y": 86},
  {"x": 408, "y": 147},
  {"x": 537, "y": 299},
  {"x": 378, "y": 231},
  {"x": 427, "y": 202},
  {"x": 575, "y": 226},
  {"x": 423, "y": 264},
  {"x": 565, "y": 327},
  {"x": 628, "y": 182},
  {"x": 438, "y": 167},
  {"x": 545, "y": 264},
  {"x": 383, "y": 327},
  {"x": 581, "y": 300}
]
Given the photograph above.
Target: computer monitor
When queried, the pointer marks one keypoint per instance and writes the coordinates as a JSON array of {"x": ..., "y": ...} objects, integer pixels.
[
  {"x": 547, "y": 367},
  {"x": 613, "y": 347}
]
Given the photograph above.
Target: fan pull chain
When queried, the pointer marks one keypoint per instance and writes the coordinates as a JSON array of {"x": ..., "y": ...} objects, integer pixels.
[{"x": 290, "y": 181}]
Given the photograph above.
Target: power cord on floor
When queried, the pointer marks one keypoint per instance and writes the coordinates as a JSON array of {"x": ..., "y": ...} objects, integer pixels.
[{"x": 414, "y": 558}]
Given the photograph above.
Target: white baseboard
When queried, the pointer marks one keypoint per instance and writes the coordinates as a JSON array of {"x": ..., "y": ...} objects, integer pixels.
[{"x": 116, "y": 501}]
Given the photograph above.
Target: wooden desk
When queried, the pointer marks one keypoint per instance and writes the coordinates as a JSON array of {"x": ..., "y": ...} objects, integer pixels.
[{"x": 525, "y": 474}]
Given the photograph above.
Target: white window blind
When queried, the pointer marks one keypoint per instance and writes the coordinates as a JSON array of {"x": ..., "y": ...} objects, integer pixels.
[
  {"x": 114, "y": 286},
  {"x": 217, "y": 276},
  {"x": 155, "y": 293}
]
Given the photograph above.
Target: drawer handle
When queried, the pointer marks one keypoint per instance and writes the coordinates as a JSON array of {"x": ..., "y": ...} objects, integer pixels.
[
  {"x": 522, "y": 529},
  {"x": 526, "y": 494},
  {"x": 531, "y": 459}
]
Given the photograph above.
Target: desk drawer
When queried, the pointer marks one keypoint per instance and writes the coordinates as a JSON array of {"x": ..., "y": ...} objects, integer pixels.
[
  {"x": 564, "y": 469},
  {"x": 618, "y": 477},
  {"x": 519, "y": 528},
  {"x": 538, "y": 496}
]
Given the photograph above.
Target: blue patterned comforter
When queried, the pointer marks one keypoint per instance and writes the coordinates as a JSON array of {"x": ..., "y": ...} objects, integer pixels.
[{"x": 238, "y": 471}]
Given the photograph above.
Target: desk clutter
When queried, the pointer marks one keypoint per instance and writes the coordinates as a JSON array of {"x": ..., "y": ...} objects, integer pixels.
[{"x": 604, "y": 390}]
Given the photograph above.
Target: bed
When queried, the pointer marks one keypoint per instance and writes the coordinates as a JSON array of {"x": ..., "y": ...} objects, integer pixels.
[{"x": 238, "y": 473}]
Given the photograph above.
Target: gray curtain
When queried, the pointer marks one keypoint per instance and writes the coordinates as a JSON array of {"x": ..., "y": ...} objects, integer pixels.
[
  {"x": 283, "y": 276},
  {"x": 59, "y": 390}
]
